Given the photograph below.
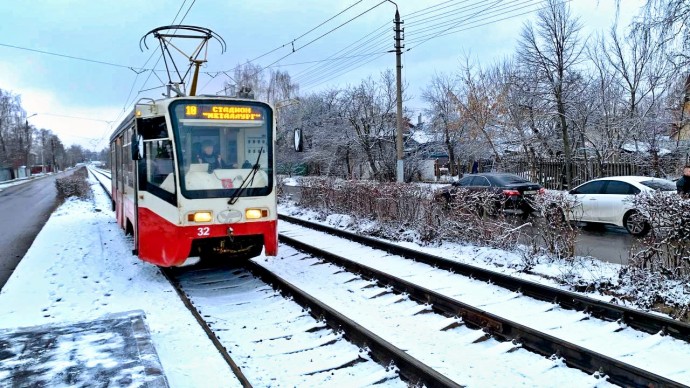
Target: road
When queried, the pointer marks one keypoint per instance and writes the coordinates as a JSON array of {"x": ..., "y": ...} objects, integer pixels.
[
  {"x": 25, "y": 208},
  {"x": 606, "y": 243}
]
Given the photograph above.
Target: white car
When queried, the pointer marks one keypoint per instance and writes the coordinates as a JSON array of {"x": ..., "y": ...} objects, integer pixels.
[{"x": 609, "y": 201}]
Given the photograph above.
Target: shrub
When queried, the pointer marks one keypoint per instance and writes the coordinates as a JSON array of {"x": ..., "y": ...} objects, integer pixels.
[
  {"x": 666, "y": 250},
  {"x": 466, "y": 216},
  {"x": 74, "y": 185}
]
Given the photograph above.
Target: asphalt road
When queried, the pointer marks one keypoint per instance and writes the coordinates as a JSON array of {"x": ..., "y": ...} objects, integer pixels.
[
  {"x": 606, "y": 243},
  {"x": 24, "y": 209}
]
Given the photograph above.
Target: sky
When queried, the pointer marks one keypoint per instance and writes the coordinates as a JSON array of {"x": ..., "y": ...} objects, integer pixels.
[{"x": 95, "y": 96}]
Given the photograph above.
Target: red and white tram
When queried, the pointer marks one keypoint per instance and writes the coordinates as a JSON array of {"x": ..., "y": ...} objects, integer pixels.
[{"x": 194, "y": 177}]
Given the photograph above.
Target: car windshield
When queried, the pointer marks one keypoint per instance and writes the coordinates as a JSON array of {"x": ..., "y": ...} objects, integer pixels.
[
  {"x": 660, "y": 184},
  {"x": 219, "y": 143}
]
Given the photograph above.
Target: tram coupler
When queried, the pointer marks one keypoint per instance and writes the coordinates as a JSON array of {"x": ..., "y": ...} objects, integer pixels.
[{"x": 230, "y": 232}]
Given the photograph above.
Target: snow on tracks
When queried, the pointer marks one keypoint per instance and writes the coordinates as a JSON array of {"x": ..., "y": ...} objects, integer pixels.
[{"x": 630, "y": 346}]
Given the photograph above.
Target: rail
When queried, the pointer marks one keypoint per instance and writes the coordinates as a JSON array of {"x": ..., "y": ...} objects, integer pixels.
[
  {"x": 410, "y": 368},
  {"x": 636, "y": 319},
  {"x": 167, "y": 272},
  {"x": 533, "y": 340}
]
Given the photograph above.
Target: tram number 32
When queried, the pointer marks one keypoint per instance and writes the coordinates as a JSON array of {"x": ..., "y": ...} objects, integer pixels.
[{"x": 204, "y": 231}]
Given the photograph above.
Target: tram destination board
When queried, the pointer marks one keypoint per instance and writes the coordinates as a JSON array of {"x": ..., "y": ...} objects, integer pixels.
[{"x": 222, "y": 112}]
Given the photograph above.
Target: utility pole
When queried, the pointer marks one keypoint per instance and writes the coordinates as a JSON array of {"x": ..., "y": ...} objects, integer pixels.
[
  {"x": 43, "y": 146},
  {"x": 398, "y": 75},
  {"x": 52, "y": 152}
]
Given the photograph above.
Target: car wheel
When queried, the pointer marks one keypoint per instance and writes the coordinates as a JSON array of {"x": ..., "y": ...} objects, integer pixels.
[{"x": 636, "y": 224}]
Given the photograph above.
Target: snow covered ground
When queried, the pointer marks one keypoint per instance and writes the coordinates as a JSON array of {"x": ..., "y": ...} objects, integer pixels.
[
  {"x": 609, "y": 338},
  {"x": 80, "y": 267},
  {"x": 467, "y": 356},
  {"x": 15, "y": 182},
  {"x": 561, "y": 273}
]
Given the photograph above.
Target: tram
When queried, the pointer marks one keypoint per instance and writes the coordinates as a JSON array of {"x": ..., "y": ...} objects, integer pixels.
[{"x": 193, "y": 178}]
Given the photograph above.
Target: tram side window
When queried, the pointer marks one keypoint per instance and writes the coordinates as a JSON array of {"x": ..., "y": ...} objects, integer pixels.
[
  {"x": 128, "y": 163},
  {"x": 152, "y": 128},
  {"x": 159, "y": 165}
]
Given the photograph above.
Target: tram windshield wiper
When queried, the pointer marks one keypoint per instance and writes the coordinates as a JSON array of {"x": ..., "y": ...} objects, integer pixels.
[{"x": 248, "y": 180}]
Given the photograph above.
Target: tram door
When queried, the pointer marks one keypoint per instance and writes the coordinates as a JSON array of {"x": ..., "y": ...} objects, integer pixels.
[
  {"x": 119, "y": 204},
  {"x": 157, "y": 210}
]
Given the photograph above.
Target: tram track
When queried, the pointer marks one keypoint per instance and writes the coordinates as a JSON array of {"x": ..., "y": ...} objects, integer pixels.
[
  {"x": 580, "y": 357},
  {"x": 639, "y": 320},
  {"x": 197, "y": 288},
  {"x": 411, "y": 369}
]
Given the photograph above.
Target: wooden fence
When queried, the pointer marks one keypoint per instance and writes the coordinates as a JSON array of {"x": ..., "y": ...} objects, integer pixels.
[{"x": 552, "y": 173}]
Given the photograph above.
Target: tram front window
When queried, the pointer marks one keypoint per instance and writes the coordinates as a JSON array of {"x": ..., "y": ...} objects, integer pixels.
[{"x": 223, "y": 146}]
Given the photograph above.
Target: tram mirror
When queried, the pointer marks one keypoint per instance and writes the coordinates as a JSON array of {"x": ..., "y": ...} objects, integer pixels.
[
  {"x": 299, "y": 140},
  {"x": 137, "y": 145}
]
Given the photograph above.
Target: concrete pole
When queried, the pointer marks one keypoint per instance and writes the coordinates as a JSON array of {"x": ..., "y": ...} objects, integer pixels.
[{"x": 399, "y": 118}]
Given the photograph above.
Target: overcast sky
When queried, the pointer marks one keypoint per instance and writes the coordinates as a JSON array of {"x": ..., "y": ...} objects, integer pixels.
[{"x": 110, "y": 32}]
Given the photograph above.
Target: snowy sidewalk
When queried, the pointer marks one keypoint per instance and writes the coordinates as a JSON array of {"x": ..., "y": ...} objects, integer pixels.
[{"x": 80, "y": 268}]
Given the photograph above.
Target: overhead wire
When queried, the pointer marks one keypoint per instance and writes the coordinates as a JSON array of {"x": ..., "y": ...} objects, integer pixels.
[
  {"x": 490, "y": 15},
  {"x": 134, "y": 69},
  {"x": 462, "y": 21},
  {"x": 128, "y": 102},
  {"x": 294, "y": 50},
  {"x": 372, "y": 44},
  {"x": 326, "y": 33},
  {"x": 345, "y": 65},
  {"x": 291, "y": 42},
  {"x": 490, "y": 18}
]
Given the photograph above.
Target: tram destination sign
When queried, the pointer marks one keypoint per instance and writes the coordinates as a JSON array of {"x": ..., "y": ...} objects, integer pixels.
[{"x": 222, "y": 112}]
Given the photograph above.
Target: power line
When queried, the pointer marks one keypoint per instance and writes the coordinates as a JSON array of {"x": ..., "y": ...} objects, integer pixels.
[
  {"x": 494, "y": 18},
  {"x": 134, "y": 69},
  {"x": 72, "y": 117},
  {"x": 437, "y": 19},
  {"x": 338, "y": 69},
  {"x": 475, "y": 23},
  {"x": 327, "y": 33},
  {"x": 374, "y": 43},
  {"x": 292, "y": 42},
  {"x": 454, "y": 22},
  {"x": 127, "y": 100},
  {"x": 326, "y": 60},
  {"x": 354, "y": 68},
  {"x": 316, "y": 39}
]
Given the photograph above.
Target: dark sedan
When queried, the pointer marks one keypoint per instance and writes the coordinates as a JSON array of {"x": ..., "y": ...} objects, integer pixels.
[{"x": 512, "y": 193}]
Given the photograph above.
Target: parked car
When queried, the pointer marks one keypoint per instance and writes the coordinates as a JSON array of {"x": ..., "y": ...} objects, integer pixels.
[
  {"x": 512, "y": 193},
  {"x": 609, "y": 201}
]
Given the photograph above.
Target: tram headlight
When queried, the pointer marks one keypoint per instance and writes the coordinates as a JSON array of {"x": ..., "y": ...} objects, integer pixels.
[
  {"x": 200, "y": 217},
  {"x": 255, "y": 214}
]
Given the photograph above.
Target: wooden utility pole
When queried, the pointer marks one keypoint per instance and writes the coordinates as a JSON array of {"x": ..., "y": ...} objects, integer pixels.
[{"x": 398, "y": 75}]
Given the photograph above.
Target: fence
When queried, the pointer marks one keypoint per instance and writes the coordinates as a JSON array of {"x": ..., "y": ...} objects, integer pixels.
[{"x": 551, "y": 173}]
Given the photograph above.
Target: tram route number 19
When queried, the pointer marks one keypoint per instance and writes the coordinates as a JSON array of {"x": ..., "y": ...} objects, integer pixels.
[
  {"x": 190, "y": 110},
  {"x": 203, "y": 231}
]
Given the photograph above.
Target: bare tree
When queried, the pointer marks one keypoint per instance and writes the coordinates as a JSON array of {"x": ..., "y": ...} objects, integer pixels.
[
  {"x": 369, "y": 109},
  {"x": 445, "y": 119},
  {"x": 553, "y": 50},
  {"x": 481, "y": 102}
]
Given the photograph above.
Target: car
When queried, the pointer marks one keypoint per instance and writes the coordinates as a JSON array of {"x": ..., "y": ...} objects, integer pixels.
[
  {"x": 512, "y": 193},
  {"x": 609, "y": 201}
]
